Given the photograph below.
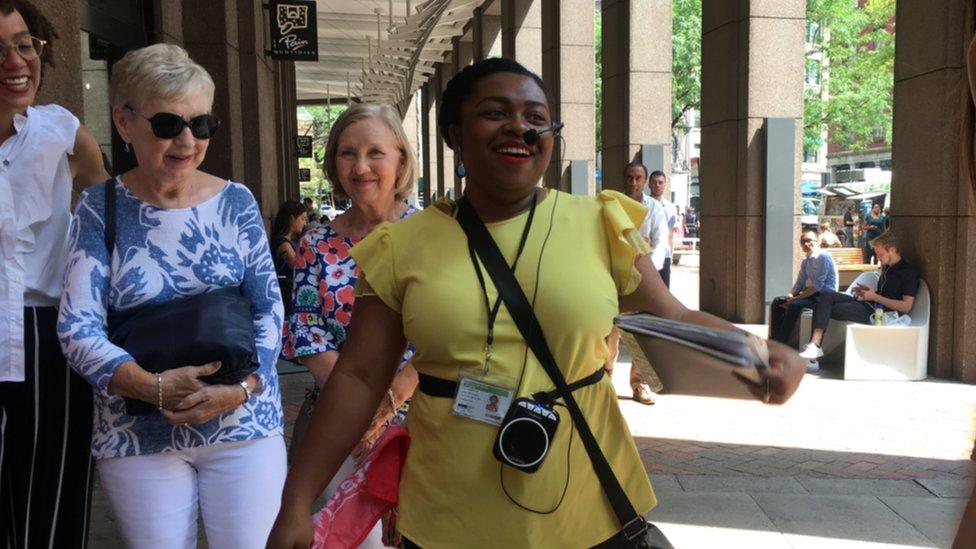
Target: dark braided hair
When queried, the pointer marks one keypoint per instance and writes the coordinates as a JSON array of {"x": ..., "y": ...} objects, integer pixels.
[
  {"x": 37, "y": 24},
  {"x": 462, "y": 85}
]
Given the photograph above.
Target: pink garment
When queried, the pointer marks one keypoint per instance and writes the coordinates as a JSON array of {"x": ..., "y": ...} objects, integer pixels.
[{"x": 365, "y": 495}]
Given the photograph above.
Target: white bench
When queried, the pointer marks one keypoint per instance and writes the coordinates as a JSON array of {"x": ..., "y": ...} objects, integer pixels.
[{"x": 878, "y": 352}]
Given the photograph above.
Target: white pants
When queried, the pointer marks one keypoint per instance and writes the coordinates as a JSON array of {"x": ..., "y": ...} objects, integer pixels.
[
  {"x": 375, "y": 538},
  {"x": 236, "y": 486}
]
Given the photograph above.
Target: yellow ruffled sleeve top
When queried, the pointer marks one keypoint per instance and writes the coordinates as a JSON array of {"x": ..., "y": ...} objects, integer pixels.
[{"x": 579, "y": 257}]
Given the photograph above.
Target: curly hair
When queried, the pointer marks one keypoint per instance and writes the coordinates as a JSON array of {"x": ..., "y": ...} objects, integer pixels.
[
  {"x": 462, "y": 85},
  {"x": 37, "y": 24}
]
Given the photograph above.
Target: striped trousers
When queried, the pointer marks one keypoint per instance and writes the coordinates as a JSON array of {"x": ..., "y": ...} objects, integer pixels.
[{"x": 45, "y": 455}]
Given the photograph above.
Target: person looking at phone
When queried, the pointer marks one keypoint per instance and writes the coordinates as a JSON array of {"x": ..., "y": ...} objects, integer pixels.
[
  {"x": 817, "y": 274},
  {"x": 897, "y": 286}
]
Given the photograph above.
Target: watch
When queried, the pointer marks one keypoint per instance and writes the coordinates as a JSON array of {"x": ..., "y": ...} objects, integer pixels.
[{"x": 247, "y": 389}]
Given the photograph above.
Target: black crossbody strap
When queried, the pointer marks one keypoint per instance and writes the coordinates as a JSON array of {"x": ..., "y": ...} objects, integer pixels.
[
  {"x": 632, "y": 524},
  {"x": 110, "y": 218}
]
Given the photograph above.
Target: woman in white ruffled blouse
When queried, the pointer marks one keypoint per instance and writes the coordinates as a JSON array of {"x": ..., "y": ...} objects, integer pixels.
[{"x": 45, "y": 408}]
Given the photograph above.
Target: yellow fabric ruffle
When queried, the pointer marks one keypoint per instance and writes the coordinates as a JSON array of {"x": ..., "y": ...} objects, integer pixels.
[
  {"x": 375, "y": 258},
  {"x": 621, "y": 218}
]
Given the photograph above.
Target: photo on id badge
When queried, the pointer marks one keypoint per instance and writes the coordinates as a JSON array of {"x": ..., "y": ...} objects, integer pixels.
[{"x": 481, "y": 400}]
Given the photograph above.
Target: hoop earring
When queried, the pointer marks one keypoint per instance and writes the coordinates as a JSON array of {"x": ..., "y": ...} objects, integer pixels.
[{"x": 127, "y": 148}]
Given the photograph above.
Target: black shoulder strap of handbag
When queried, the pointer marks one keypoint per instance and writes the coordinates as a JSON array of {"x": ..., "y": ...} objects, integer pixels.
[
  {"x": 110, "y": 218},
  {"x": 632, "y": 524}
]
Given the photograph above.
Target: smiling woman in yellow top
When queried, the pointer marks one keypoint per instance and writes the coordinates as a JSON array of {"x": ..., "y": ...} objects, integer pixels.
[{"x": 583, "y": 262}]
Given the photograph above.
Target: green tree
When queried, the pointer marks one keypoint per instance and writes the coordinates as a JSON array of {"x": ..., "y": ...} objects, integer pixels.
[
  {"x": 598, "y": 100},
  {"x": 851, "y": 54},
  {"x": 686, "y": 36},
  {"x": 322, "y": 119}
]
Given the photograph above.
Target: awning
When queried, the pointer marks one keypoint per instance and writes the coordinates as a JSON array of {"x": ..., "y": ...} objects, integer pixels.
[
  {"x": 863, "y": 196},
  {"x": 367, "y": 55}
]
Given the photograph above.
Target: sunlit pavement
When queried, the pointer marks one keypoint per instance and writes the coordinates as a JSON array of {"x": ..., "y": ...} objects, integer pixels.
[{"x": 843, "y": 464}]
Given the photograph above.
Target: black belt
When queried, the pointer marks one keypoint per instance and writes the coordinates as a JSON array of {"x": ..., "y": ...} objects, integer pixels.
[{"x": 445, "y": 388}]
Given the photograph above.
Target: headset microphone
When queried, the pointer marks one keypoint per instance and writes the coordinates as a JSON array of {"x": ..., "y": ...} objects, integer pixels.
[{"x": 531, "y": 137}]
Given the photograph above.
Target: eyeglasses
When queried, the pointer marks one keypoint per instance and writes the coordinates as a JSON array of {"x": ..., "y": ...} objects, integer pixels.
[
  {"x": 166, "y": 125},
  {"x": 806, "y": 240},
  {"x": 28, "y": 48}
]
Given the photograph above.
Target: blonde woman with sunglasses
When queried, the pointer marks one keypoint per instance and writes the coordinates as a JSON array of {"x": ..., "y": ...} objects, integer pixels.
[
  {"x": 180, "y": 232},
  {"x": 45, "y": 409}
]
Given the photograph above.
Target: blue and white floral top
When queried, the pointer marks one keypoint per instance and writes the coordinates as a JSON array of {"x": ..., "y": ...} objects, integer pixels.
[{"x": 161, "y": 254}]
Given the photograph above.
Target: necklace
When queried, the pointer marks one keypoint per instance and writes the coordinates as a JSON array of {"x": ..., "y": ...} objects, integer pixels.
[{"x": 464, "y": 208}]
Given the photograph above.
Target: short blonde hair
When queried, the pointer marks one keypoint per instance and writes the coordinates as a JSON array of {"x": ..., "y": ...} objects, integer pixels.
[
  {"x": 886, "y": 240},
  {"x": 159, "y": 71},
  {"x": 389, "y": 116}
]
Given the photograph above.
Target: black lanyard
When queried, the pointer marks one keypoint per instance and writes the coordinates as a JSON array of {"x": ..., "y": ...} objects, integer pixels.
[{"x": 465, "y": 209}]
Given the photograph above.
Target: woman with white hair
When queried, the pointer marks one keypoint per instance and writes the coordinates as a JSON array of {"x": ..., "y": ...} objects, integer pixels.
[{"x": 181, "y": 233}]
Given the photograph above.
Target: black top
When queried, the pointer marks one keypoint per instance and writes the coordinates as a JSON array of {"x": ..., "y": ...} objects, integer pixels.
[
  {"x": 898, "y": 281},
  {"x": 848, "y": 219},
  {"x": 281, "y": 268}
]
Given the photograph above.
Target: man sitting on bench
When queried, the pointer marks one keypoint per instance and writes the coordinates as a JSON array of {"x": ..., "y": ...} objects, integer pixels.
[
  {"x": 817, "y": 274},
  {"x": 897, "y": 286}
]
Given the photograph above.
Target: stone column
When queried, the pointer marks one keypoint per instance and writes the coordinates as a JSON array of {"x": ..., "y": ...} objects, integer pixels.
[
  {"x": 258, "y": 126},
  {"x": 210, "y": 36},
  {"x": 522, "y": 32},
  {"x": 286, "y": 125},
  {"x": 568, "y": 67},
  {"x": 489, "y": 39},
  {"x": 63, "y": 83},
  {"x": 437, "y": 143},
  {"x": 428, "y": 127},
  {"x": 169, "y": 21},
  {"x": 445, "y": 157},
  {"x": 411, "y": 126},
  {"x": 752, "y": 68},
  {"x": 636, "y": 84},
  {"x": 932, "y": 203}
]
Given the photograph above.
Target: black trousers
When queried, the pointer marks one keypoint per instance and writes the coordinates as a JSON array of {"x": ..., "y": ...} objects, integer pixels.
[
  {"x": 840, "y": 306},
  {"x": 45, "y": 445},
  {"x": 782, "y": 320},
  {"x": 665, "y": 272}
]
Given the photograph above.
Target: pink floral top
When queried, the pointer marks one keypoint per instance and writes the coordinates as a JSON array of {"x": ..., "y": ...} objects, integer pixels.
[{"x": 325, "y": 278}]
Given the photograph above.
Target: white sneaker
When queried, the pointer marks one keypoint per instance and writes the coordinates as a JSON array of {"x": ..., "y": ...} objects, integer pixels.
[
  {"x": 813, "y": 367},
  {"x": 812, "y": 351}
]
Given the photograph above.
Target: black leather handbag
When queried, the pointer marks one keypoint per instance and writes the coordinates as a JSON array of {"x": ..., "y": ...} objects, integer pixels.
[
  {"x": 635, "y": 531},
  {"x": 191, "y": 331}
]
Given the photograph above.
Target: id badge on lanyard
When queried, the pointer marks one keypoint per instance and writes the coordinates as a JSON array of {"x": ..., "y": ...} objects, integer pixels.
[{"x": 482, "y": 400}]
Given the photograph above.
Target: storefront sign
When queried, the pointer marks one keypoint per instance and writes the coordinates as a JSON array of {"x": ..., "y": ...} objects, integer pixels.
[
  {"x": 294, "y": 33},
  {"x": 304, "y": 174},
  {"x": 303, "y": 146}
]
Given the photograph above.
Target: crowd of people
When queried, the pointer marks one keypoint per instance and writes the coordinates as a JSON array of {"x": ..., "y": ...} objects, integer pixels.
[{"x": 391, "y": 309}]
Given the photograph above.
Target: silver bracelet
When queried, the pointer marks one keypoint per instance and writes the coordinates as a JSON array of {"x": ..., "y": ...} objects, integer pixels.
[{"x": 159, "y": 392}]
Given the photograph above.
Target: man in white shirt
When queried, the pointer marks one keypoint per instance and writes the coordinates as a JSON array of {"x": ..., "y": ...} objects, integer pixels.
[
  {"x": 654, "y": 229},
  {"x": 658, "y": 183}
]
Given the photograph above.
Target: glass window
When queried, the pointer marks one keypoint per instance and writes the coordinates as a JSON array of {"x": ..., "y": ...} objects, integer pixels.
[
  {"x": 813, "y": 72},
  {"x": 813, "y": 31}
]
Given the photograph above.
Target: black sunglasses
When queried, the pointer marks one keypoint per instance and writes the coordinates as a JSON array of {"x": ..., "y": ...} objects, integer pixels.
[{"x": 166, "y": 125}]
